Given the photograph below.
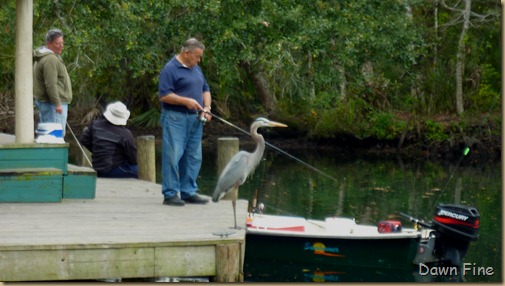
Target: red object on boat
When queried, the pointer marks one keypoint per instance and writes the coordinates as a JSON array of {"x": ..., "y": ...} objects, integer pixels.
[
  {"x": 292, "y": 224},
  {"x": 388, "y": 226},
  {"x": 299, "y": 228}
]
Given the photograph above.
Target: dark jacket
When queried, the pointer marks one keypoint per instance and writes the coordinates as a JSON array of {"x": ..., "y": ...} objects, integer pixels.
[{"x": 111, "y": 145}]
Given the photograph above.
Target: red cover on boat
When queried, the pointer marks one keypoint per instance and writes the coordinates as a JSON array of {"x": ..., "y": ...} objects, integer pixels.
[{"x": 388, "y": 226}]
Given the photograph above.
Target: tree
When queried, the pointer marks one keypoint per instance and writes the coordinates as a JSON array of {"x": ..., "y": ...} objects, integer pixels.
[
  {"x": 327, "y": 67},
  {"x": 464, "y": 17}
]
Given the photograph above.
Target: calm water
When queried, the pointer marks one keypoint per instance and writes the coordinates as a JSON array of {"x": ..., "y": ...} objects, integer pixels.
[{"x": 370, "y": 191}]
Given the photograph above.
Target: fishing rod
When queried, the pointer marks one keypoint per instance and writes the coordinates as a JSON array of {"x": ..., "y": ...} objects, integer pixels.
[
  {"x": 275, "y": 148},
  {"x": 465, "y": 152},
  {"x": 79, "y": 144}
]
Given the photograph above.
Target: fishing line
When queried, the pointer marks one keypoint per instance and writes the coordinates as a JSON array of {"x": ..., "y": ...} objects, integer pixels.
[
  {"x": 276, "y": 148},
  {"x": 465, "y": 152}
]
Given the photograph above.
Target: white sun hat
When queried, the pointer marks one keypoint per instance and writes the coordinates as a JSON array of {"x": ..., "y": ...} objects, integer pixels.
[{"x": 117, "y": 113}]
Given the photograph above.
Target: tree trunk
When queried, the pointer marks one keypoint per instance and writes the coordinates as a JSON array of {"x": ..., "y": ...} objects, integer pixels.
[
  {"x": 460, "y": 58},
  {"x": 343, "y": 82},
  {"x": 435, "y": 47},
  {"x": 266, "y": 97},
  {"x": 261, "y": 85},
  {"x": 310, "y": 76}
]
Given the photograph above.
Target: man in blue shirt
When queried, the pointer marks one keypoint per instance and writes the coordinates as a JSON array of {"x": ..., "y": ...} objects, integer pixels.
[{"x": 184, "y": 93}]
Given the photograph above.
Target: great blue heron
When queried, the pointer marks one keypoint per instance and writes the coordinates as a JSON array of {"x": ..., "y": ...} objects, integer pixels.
[{"x": 241, "y": 165}]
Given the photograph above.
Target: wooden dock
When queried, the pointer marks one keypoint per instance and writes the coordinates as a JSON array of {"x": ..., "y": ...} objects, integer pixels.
[{"x": 125, "y": 232}]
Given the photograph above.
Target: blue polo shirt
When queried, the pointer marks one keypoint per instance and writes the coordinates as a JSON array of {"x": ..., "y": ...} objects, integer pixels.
[{"x": 183, "y": 81}]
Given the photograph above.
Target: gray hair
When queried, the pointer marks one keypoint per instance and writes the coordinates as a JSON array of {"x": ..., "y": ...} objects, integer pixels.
[
  {"x": 53, "y": 34},
  {"x": 191, "y": 44}
]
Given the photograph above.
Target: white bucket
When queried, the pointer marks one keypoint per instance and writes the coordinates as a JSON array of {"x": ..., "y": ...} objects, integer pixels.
[
  {"x": 49, "y": 133},
  {"x": 54, "y": 129}
]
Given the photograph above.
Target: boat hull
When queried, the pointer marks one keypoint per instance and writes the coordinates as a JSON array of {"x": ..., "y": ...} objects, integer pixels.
[
  {"x": 361, "y": 252},
  {"x": 335, "y": 241}
]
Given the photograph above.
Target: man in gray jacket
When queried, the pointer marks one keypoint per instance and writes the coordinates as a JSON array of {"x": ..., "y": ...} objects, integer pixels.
[{"x": 52, "y": 89}]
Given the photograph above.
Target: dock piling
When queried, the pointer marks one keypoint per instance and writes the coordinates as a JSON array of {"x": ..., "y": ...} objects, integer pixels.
[
  {"x": 226, "y": 148},
  {"x": 229, "y": 263},
  {"x": 146, "y": 158}
]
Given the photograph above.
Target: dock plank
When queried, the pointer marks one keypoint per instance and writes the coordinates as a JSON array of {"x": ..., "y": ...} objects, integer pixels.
[
  {"x": 127, "y": 216},
  {"x": 7, "y": 138}
]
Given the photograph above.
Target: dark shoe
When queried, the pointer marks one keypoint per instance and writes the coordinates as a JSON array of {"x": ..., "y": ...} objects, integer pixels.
[
  {"x": 196, "y": 199},
  {"x": 173, "y": 201}
]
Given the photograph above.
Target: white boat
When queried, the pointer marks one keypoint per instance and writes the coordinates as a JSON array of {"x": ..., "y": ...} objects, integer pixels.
[
  {"x": 343, "y": 242},
  {"x": 331, "y": 227}
]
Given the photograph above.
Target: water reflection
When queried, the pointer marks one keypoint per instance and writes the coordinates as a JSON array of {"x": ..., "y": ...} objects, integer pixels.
[{"x": 260, "y": 270}]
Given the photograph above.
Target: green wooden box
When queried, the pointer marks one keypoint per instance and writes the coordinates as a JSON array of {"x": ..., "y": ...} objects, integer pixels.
[
  {"x": 31, "y": 185},
  {"x": 79, "y": 183},
  {"x": 34, "y": 156}
]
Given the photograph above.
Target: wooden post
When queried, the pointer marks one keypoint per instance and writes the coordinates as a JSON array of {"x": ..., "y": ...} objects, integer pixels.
[
  {"x": 24, "y": 71},
  {"x": 146, "y": 158},
  {"x": 228, "y": 263},
  {"x": 226, "y": 148}
]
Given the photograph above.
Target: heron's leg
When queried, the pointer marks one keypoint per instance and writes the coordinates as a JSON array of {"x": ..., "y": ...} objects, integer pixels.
[
  {"x": 234, "y": 203},
  {"x": 234, "y": 199}
]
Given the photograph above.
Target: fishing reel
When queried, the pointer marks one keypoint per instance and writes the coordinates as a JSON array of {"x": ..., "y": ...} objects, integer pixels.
[{"x": 201, "y": 117}]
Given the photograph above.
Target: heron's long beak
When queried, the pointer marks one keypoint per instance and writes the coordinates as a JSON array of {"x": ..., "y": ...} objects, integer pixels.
[{"x": 276, "y": 124}]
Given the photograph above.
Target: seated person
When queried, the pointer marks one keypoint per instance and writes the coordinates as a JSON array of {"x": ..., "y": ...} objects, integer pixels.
[{"x": 112, "y": 144}]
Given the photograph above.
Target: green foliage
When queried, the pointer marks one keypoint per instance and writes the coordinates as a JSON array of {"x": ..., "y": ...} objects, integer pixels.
[
  {"x": 439, "y": 89},
  {"x": 331, "y": 66},
  {"x": 385, "y": 126},
  {"x": 435, "y": 131},
  {"x": 114, "y": 49},
  {"x": 7, "y": 40},
  {"x": 488, "y": 95},
  {"x": 148, "y": 119},
  {"x": 345, "y": 118}
]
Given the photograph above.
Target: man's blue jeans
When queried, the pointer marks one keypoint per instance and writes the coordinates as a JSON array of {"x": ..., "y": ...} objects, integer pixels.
[
  {"x": 48, "y": 114},
  {"x": 181, "y": 155},
  {"x": 124, "y": 171}
]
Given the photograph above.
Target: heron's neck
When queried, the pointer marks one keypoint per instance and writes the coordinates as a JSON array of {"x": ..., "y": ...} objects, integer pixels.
[{"x": 260, "y": 146}]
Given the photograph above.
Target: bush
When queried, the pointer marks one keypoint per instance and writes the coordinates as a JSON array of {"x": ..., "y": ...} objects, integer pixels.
[
  {"x": 385, "y": 125},
  {"x": 435, "y": 131},
  {"x": 488, "y": 95}
]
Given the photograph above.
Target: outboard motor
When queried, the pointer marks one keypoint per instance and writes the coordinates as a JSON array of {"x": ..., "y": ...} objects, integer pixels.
[
  {"x": 450, "y": 232},
  {"x": 456, "y": 227}
]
